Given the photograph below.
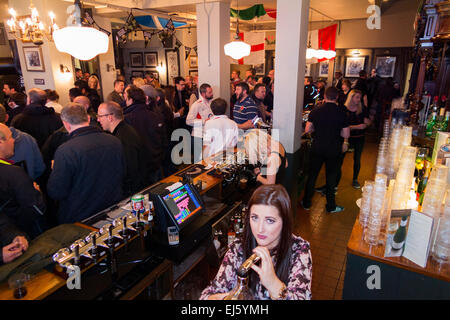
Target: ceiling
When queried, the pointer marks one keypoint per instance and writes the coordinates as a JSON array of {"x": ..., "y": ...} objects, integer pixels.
[{"x": 321, "y": 10}]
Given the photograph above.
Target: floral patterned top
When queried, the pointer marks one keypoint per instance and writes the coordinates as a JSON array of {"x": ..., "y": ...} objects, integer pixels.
[{"x": 300, "y": 275}]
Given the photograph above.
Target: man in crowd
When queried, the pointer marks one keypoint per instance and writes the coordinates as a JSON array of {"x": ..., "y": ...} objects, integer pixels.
[
  {"x": 259, "y": 94},
  {"x": 26, "y": 151},
  {"x": 36, "y": 119},
  {"x": 251, "y": 81},
  {"x": 86, "y": 103},
  {"x": 78, "y": 74},
  {"x": 245, "y": 109},
  {"x": 310, "y": 93},
  {"x": 220, "y": 133},
  {"x": 17, "y": 103},
  {"x": 271, "y": 75},
  {"x": 235, "y": 79},
  {"x": 117, "y": 94},
  {"x": 110, "y": 116},
  {"x": 199, "y": 112},
  {"x": 74, "y": 92},
  {"x": 361, "y": 85},
  {"x": 150, "y": 127},
  {"x": 10, "y": 88},
  {"x": 181, "y": 102},
  {"x": 330, "y": 127},
  {"x": 13, "y": 242},
  {"x": 337, "y": 81},
  {"x": 19, "y": 200},
  {"x": 88, "y": 169},
  {"x": 52, "y": 100}
]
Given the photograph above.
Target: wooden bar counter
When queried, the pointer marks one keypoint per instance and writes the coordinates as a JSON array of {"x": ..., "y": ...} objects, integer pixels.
[{"x": 370, "y": 275}]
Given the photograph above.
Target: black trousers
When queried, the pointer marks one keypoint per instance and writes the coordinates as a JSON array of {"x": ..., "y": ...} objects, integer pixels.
[
  {"x": 356, "y": 143},
  {"x": 332, "y": 169}
]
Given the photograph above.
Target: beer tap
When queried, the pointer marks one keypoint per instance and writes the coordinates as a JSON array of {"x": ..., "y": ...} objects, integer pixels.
[
  {"x": 76, "y": 259},
  {"x": 240, "y": 291},
  {"x": 94, "y": 251}
]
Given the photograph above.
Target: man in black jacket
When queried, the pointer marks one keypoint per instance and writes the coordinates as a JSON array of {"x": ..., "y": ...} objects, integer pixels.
[
  {"x": 13, "y": 242},
  {"x": 17, "y": 103},
  {"x": 19, "y": 200},
  {"x": 36, "y": 119},
  {"x": 110, "y": 116},
  {"x": 181, "y": 101},
  {"x": 88, "y": 168},
  {"x": 150, "y": 127}
]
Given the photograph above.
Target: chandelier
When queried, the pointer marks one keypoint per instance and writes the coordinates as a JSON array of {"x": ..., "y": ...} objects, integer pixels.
[
  {"x": 81, "y": 42},
  {"x": 30, "y": 28},
  {"x": 237, "y": 49}
]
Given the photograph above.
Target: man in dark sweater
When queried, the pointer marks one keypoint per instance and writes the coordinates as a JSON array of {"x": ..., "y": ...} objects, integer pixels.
[
  {"x": 117, "y": 94},
  {"x": 110, "y": 116},
  {"x": 330, "y": 127},
  {"x": 88, "y": 169},
  {"x": 36, "y": 119}
]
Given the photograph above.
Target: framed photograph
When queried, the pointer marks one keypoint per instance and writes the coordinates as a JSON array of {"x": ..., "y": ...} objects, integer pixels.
[
  {"x": 353, "y": 65},
  {"x": 172, "y": 66},
  {"x": 259, "y": 69},
  {"x": 307, "y": 70},
  {"x": 151, "y": 59},
  {"x": 136, "y": 59},
  {"x": 193, "y": 72},
  {"x": 323, "y": 68},
  {"x": 385, "y": 66},
  {"x": 137, "y": 74},
  {"x": 193, "y": 62},
  {"x": 33, "y": 58}
]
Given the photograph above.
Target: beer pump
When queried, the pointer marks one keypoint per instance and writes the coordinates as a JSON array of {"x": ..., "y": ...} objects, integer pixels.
[{"x": 240, "y": 291}]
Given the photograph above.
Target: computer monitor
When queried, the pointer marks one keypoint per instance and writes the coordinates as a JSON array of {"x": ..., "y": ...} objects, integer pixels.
[{"x": 176, "y": 205}]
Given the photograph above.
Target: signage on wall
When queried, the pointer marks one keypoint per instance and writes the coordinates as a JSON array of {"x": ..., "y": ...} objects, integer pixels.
[{"x": 39, "y": 81}]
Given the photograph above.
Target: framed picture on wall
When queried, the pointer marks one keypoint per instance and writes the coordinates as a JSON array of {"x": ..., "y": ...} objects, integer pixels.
[
  {"x": 172, "y": 65},
  {"x": 33, "y": 58},
  {"x": 323, "y": 68},
  {"x": 151, "y": 59},
  {"x": 259, "y": 69},
  {"x": 136, "y": 59},
  {"x": 193, "y": 72},
  {"x": 193, "y": 62},
  {"x": 385, "y": 66},
  {"x": 307, "y": 70},
  {"x": 353, "y": 65},
  {"x": 137, "y": 74}
]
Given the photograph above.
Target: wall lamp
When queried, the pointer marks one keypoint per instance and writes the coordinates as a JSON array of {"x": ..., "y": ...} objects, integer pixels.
[{"x": 63, "y": 68}]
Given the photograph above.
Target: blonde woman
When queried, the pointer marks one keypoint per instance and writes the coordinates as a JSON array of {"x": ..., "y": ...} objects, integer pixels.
[
  {"x": 262, "y": 149},
  {"x": 358, "y": 119},
  {"x": 93, "y": 83},
  {"x": 138, "y": 82}
]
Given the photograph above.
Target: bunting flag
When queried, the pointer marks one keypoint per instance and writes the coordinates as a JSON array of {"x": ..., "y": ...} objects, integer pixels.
[
  {"x": 195, "y": 49},
  {"x": 249, "y": 13},
  {"x": 178, "y": 44},
  {"x": 187, "y": 52},
  {"x": 257, "y": 50}
]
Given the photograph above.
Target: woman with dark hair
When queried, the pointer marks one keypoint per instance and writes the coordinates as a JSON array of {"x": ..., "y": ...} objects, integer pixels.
[{"x": 285, "y": 270}]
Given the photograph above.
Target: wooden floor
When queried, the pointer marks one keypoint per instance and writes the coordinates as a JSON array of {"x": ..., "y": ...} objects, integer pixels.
[{"x": 328, "y": 233}]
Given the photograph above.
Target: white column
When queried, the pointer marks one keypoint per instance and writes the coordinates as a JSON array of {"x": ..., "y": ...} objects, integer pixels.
[
  {"x": 290, "y": 49},
  {"x": 213, "y": 32}
]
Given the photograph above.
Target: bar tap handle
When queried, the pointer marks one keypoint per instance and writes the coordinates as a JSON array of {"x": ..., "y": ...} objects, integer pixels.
[{"x": 76, "y": 251}]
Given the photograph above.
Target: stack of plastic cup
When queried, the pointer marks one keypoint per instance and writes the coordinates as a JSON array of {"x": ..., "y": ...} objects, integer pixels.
[
  {"x": 382, "y": 154},
  {"x": 434, "y": 195},
  {"x": 387, "y": 205},
  {"x": 395, "y": 144},
  {"x": 365, "y": 203},
  {"x": 403, "y": 179},
  {"x": 372, "y": 233},
  {"x": 441, "y": 249}
]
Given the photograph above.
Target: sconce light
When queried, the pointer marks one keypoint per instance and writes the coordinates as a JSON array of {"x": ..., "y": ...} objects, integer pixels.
[
  {"x": 110, "y": 67},
  {"x": 63, "y": 69},
  {"x": 160, "y": 68},
  {"x": 356, "y": 52}
]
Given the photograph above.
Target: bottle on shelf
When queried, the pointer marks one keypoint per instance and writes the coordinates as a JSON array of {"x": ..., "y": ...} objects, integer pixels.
[
  {"x": 423, "y": 181},
  {"x": 430, "y": 124},
  {"x": 444, "y": 122},
  {"x": 231, "y": 233},
  {"x": 400, "y": 236}
]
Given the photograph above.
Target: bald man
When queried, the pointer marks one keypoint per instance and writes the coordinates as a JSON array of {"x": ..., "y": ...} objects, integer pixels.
[
  {"x": 86, "y": 103},
  {"x": 19, "y": 200}
]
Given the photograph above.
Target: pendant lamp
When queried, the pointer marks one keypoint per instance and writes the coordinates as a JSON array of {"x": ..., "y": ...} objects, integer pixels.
[{"x": 237, "y": 49}]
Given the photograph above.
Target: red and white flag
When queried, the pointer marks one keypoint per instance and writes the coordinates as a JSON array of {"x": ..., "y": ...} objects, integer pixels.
[{"x": 256, "y": 41}]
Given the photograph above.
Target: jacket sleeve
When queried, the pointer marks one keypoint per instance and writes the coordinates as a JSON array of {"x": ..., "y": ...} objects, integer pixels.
[
  {"x": 36, "y": 164},
  {"x": 60, "y": 181},
  {"x": 8, "y": 232}
]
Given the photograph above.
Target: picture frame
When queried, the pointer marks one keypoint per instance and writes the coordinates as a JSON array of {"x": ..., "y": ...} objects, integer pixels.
[
  {"x": 34, "y": 60},
  {"x": 151, "y": 59},
  {"x": 324, "y": 68},
  {"x": 172, "y": 65},
  {"x": 307, "y": 70},
  {"x": 353, "y": 65},
  {"x": 259, "y": 69},
  {"x": 136, "y": 59},
  {"x": 137, "y": 73},
  {"x": 385, "y": 66},
  {"x": 193, "y": 62},
  {"x": 193, "y": 72}
]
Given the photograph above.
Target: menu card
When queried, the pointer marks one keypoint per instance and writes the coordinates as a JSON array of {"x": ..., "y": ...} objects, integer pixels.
[{"x": 417, "y": 244}]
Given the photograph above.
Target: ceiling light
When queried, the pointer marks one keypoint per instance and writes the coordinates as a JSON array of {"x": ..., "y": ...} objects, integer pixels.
[{"x": 237, "y": 49}]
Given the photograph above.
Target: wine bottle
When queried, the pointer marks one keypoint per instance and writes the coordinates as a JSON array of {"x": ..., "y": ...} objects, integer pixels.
[
  {"x": 400, "y": 236},
  {"x": 430, "y": 124}
]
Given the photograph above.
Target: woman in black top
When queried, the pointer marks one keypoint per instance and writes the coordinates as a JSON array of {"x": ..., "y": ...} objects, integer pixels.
[
  {"x": 262, "y": 148},
  {"x": 358, "y": 119}
]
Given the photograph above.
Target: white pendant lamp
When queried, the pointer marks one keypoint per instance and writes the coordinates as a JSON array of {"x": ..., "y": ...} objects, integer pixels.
[
  {"x": 83, "y": 43},
  {"x": 237, "y": 49}
]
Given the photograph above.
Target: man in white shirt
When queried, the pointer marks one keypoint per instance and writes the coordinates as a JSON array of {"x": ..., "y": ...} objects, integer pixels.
[
  {"x": 199, "y": 112},
  {"x": 220, "y": 133}
]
